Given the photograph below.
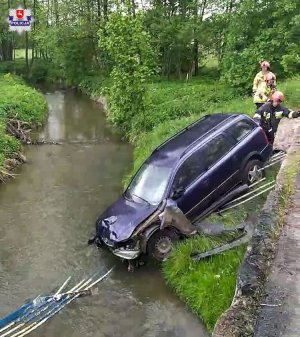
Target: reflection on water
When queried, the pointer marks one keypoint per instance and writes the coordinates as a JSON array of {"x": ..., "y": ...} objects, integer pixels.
[{"x": 47, "y": 215}]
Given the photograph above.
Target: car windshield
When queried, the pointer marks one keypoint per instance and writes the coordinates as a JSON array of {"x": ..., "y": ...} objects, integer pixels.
[{"x": 150, "y": 183}]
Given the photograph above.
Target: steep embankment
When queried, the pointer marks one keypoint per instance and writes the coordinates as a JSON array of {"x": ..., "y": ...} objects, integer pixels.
[
  {"x": 21, "y": 108},
  {"x": 207, "y": 287},
  {"x": 264, "y": 303}
]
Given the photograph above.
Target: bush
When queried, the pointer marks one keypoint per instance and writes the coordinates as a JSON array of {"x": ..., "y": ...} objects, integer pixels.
[
  {"x": 17, "y": 67},
  {"x": 95, "y": 85}
]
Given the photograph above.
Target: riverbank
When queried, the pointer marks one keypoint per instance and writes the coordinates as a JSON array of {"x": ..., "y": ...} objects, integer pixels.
[
  {"x": 265, "y": 302},
  {"x": 207, "y": 287},
  {"x": 21, "y": 109}
]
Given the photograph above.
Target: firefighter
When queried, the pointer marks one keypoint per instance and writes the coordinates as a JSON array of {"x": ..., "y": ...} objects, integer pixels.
[
  {"x": 265, "y": 90},
  {"x": 270, "y": 114},
  {"x": 260, "y": 76}
]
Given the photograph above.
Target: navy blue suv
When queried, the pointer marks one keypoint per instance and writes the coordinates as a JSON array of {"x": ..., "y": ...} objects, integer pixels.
[{"x": 192, "y": 170}]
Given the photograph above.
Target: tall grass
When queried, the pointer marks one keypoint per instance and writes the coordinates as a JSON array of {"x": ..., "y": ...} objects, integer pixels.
[{"x": 208, "y": 286}]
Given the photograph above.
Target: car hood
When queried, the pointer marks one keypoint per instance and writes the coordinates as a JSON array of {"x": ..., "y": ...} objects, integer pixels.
[{"x": 119, "y": 221}]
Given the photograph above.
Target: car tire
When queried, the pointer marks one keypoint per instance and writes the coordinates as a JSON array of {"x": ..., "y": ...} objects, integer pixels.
[
  {"x": 251, "y": 173},
  {"x": 160, "y": 244}
]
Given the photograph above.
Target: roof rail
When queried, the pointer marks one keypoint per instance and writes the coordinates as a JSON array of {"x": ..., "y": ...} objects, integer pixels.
[
  {"x": 179, "y": 132},
  {"x": 202, "y": 136}
]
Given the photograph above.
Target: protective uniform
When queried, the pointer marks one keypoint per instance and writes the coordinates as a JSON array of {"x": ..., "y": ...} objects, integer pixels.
[
  {"x": 259, "y": 80},
  {"x": 261, "y": 89},
  {"x": 261, "y": 96},
  {"x": 269, "y": 117}
]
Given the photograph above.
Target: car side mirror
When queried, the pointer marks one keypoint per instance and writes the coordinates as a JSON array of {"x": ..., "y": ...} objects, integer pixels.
[{"x": 177, "y": 193}]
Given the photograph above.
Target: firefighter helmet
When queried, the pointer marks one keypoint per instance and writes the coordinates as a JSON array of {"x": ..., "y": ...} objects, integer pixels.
[
  {"x": 265, "y": 64},
  {"x": 278, "y": 96}
]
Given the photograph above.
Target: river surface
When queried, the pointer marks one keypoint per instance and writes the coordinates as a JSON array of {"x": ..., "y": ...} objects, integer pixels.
[{"x": 47, "y": 215}]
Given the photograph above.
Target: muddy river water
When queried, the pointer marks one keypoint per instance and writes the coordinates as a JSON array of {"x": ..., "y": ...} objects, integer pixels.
[{"x": 46, "y": 216}]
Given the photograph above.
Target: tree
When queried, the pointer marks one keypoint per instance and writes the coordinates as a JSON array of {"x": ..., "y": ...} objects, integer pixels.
[
  {"x": 257, "y": 32},
  {"x": 128, "y": 45}
]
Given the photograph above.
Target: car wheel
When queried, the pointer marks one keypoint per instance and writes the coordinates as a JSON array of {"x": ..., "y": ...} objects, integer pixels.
[
  {"x": 253, "y": 172},
  {"x": 160, "y": 244}
]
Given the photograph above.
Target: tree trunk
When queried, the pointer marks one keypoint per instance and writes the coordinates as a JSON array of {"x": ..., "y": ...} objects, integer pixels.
[
  {"x": 105, "y": 10},
  {"x": 196, "y": 57},
  {"x": 26, "y": 46},
  {"x": 56, "y": 13},
  {"x": 34, "y": 23},
  {"x": 9, "y": 46},
  {"x": 99, "y": 9}
]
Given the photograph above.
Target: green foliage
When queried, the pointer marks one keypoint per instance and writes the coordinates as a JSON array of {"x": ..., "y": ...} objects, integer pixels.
[
  {"x": 127, "y": 44},
  {"x": 45, "y": 71},
  {"x": 146, "y": 142},
  {"x": 291, "y": 60},
  {"x": 95, "y": 85},
  {"x": 71, "y": 52},
  {"x": 17, "y": 67},
  {"x": 269, "y": 34},
  {"x": 172, "y": 100}
]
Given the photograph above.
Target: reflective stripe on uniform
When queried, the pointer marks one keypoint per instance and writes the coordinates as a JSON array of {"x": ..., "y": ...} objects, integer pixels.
[
  {"x": 257, "y": 116},
  {"x": 291, "y": 114}
]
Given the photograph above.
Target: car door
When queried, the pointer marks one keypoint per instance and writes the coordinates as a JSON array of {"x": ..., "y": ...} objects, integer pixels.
[{"x": 216, "y": 170}]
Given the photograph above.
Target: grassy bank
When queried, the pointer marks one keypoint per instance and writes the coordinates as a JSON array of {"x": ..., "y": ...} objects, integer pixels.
[
  {"x": 207, "y": 287},
  {"x": 175, "y": 105},
  {"x": 20, "y": 103}
]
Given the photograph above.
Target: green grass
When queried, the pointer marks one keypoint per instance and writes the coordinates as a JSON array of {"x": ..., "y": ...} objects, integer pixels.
[
  {"x": 21, "y": 102},
  {"x": 17, "y": 101},
  {"x": 20, "y": 53},
  {"x": 201, "y": 97},
  {"x": 208, "y": 286}
]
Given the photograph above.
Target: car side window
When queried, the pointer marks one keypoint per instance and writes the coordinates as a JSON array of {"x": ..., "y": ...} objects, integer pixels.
[
  {"x": 240, "y": 130},
  {"x": 190, "y": 170},
  {"x": 215, "y": 150}
]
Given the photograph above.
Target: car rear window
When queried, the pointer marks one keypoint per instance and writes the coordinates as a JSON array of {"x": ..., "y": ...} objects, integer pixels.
[{"x": 240, "y": 130}]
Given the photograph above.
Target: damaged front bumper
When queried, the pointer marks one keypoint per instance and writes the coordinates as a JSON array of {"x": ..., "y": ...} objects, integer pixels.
[{"x": 127, "y": 254}]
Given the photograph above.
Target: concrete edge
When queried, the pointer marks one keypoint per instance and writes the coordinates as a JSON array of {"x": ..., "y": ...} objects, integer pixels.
[{"x": 240, "y": 318}]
